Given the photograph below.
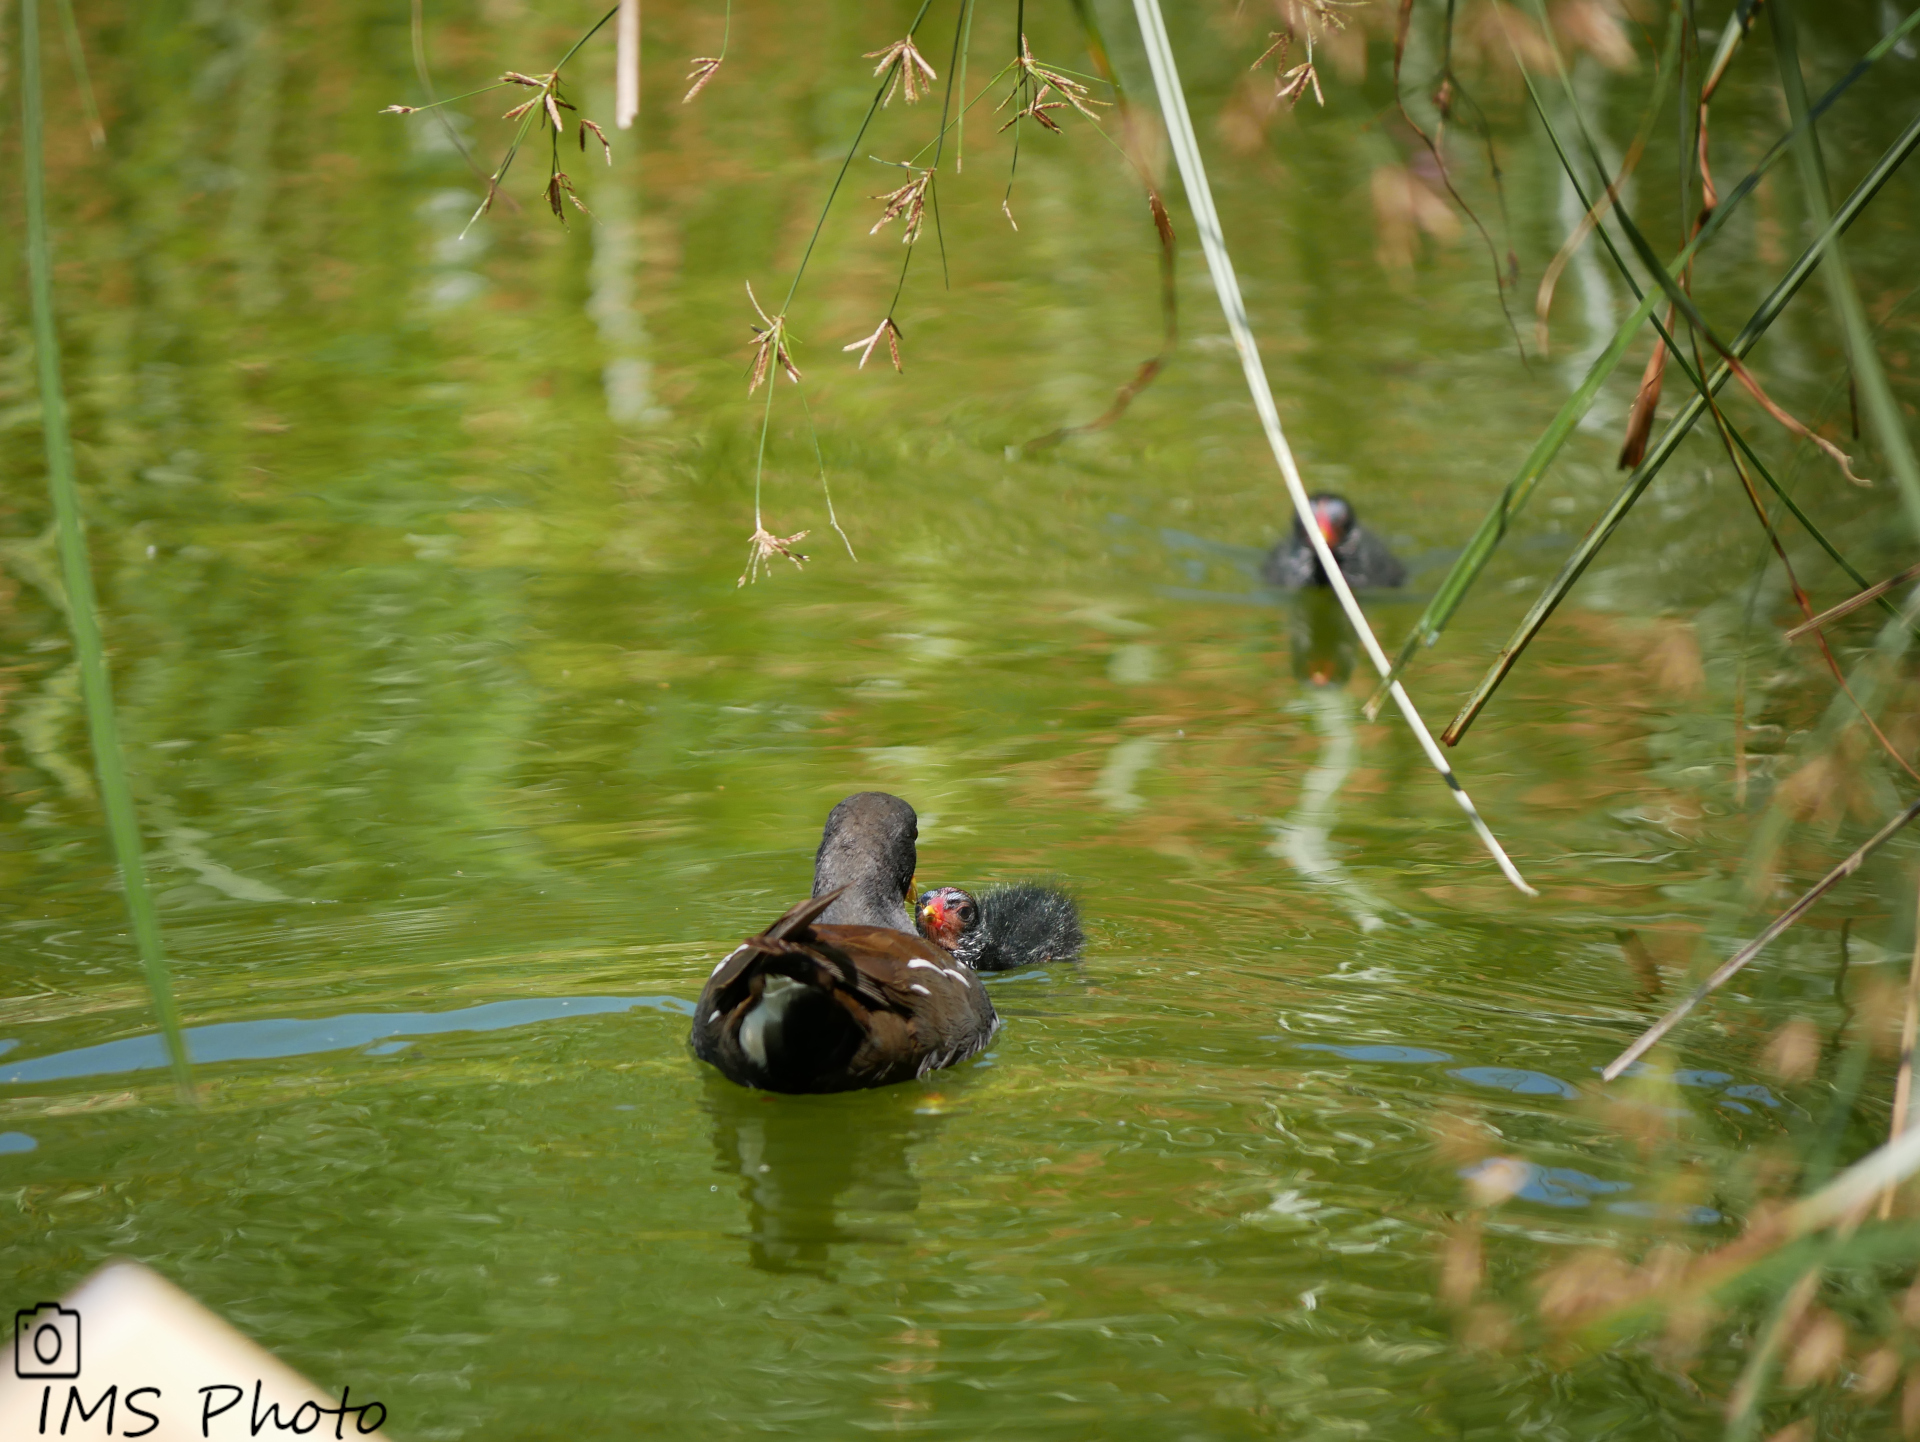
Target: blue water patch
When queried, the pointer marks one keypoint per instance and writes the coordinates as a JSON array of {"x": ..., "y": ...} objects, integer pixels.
[
  {"x": 7, "y": 1046},
  {"x": 275, "y": 1037},
  {"x": 1565, "y": 1187},
  {"x": 1378, "y": 1053},
  {"x": 1512, "y": 1079},
  {"x": 1702, "y": 1078},
  {"x": 1745, "y": 1092},
  {"x": 16, "y": 1142},
  {"x": 1666, "y": 1211},
  {"x": 1554, "y": 1186},
  {"x": 993, "y": 978}
]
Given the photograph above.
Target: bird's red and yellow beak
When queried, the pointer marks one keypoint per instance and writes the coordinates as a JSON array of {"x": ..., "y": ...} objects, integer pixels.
[
  {"x": 933, "y": 915},
  {"x": 1325, "y": 522}
]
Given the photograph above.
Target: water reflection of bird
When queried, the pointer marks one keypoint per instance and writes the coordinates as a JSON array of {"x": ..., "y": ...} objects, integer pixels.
[
  {"x": 839, "y": 993},
  {"x": 1004, "y": 927},
  {"x": 1364, "y": 558},
  {"x": 1319, "y": 639},
  {"x": 816, "y": 1172}
]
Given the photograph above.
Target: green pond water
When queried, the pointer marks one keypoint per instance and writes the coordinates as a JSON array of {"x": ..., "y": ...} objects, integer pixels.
[{"x": 462, "y": 758}]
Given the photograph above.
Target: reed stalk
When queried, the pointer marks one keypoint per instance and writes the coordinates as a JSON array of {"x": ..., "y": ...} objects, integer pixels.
[
  {"x": 1193, "y": 174},
  {"x": 1872, "y": 594},
  {"x": 1909, "y": 1031},
  {"x": 1753, "y": 948},
  {"x": 116, "y": 797}
]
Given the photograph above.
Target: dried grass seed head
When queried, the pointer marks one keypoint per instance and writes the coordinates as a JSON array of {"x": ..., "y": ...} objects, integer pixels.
[
  {"x": 558, "y": 185},
  {"x": 1315, "y": 18},
  {"x": 599, "y": 134},
  {"x": 1036, "y": 82}
]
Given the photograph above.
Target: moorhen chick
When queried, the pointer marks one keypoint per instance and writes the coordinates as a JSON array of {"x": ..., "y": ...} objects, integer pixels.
[
  {"x": 1003, "y": 928},
  {"x": 1364, "y": 558},
  {"x": 840, "y": 993}
]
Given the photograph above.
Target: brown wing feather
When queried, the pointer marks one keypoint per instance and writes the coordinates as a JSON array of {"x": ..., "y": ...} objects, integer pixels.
[
  {"x": 916, "y": 1008},
  {"x": 795, "y": 926}
]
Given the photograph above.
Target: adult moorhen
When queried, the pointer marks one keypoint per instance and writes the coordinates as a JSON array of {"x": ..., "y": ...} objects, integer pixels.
[
  {"x": 1364, "y": 559},
  {"x": 1004, "y": 927},
  {"x": 839, "y": 993}
]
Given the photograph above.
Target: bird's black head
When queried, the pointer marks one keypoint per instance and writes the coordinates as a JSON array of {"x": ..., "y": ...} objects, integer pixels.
[
  {"x": 1333, "y": 515},
  {"x": 869, "y": 848}
]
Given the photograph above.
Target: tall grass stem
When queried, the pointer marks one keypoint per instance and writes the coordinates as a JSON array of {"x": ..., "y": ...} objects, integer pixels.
[
  {"x": 77, "y": 57},
  {"x": 1909, "y": 1032},
  {"x": 626, "y": 65}
]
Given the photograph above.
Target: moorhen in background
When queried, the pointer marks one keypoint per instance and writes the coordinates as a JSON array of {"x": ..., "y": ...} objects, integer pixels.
[
  {"x": 1364, "y": 558},
  {"x": 840, "y": 993},
  {"x": 1004, "y": 927}
]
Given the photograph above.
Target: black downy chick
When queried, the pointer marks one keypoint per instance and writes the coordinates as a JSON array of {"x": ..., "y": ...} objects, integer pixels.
[
  {"x": 1364, "y": 558},
  {"x": 1004, "y": 927}
]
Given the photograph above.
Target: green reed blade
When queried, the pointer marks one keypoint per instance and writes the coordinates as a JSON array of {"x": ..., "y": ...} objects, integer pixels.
[
  {"x": 1486, "y": 539},
  {"x": 1676, "y": 293},
  {"x": 96, "y": 687},
  {"x": 77, "y": 57},
  {"x": 1676, "y": 431},
  {"x": 1883, "y": 411},
  {"x": 1679, "y": 358}
]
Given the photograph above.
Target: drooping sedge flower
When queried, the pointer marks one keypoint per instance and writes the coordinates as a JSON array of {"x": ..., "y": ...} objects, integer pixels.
[
  {"x": 866, "y": 345},
  {"x": 910, "y": 70},
  {"x": 1036, "y": 82},
  {"x": 771, "y": 342},
  {"x": 910, "y": 200},
  {"x": 705, "y": 67}
]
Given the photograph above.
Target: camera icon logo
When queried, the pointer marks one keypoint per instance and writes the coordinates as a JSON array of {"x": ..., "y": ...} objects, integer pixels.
[{"x": 46, "y": 1342}]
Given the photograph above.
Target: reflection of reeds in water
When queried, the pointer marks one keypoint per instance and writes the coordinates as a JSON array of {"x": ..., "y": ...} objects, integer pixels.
[
  {"x": 1303, "y": 838},
  {"x": 76, "y": 574}
]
